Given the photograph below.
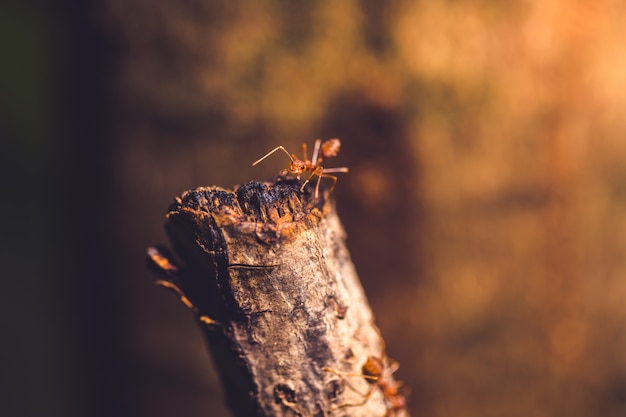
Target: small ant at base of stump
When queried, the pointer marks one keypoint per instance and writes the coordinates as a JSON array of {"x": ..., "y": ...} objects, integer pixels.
[
  {"x": 378, "y": 373},
  {"x": 321, "y": 151}
]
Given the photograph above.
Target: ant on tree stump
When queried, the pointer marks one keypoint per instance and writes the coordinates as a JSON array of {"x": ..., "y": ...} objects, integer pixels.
[
  {"x": 321, "y": 151},
  {"x": 265, "y": 271},
  {"x": 378, "y": 372}
]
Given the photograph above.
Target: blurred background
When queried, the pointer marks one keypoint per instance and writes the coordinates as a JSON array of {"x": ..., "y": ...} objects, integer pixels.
[{"x": 485, "y": 205}]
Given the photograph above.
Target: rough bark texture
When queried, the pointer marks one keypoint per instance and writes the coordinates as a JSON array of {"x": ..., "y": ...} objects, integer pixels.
[{"x": 267, "y": 272}]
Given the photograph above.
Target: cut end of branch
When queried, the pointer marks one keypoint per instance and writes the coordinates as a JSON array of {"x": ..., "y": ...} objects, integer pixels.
[{"x": 276, "y": 209}]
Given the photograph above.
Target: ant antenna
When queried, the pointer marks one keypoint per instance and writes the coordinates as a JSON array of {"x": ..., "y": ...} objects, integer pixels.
[{"x": 272, "y": 151}]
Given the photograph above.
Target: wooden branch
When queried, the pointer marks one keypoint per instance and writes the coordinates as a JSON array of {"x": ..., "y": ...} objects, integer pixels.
[{"x": 267, "y": 274}]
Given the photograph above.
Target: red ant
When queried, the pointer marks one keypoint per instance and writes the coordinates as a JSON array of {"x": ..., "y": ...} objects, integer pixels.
[
  {"x": 326, "y": 150},
  {"x": 379, "y": 373}
]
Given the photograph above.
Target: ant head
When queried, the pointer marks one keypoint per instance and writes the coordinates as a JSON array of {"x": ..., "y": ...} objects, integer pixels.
[
  {"x": 373, "y": 367},
  {"x": 297, "y": 166}
]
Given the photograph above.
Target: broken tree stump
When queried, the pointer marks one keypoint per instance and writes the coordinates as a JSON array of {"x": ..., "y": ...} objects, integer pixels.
[{"x": 266, "y": 272}]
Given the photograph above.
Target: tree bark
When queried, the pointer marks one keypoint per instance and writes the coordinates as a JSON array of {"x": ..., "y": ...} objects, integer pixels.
[{"x": 267, "y": 273}]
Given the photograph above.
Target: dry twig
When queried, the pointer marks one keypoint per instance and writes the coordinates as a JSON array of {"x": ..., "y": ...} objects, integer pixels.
[{"x": 266, "y": 271}]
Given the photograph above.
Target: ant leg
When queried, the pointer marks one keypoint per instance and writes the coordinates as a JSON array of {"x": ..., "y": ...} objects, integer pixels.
[
  {"x": 317, "y": 186},
  {"x": 393, "y": 365},
  {"x": 338, "y": 372},
  {"x": 316, "y": 152},
  {"x": 332, "y": 177},
  {"x": 361, "y": 403},
  {"x": 322, "y": 172},
  {"x": 278, "y": 148},
  {"x": 365, "y": 396},
  {"x": 333, "y": 170},
  {"x": 317, "y": 171}
]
